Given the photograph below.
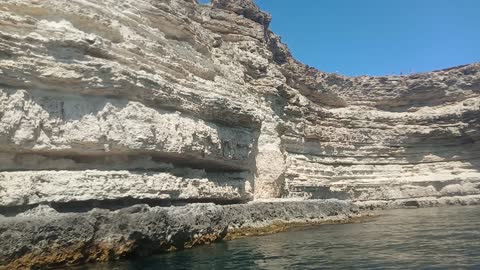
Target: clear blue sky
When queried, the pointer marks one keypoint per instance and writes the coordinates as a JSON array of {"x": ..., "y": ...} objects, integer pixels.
[{"x": 378, "y": 37}]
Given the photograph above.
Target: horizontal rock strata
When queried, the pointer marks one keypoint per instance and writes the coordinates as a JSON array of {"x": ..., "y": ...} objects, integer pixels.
[
  {"x": 361, "y": 150},
  {"x": 109, "y": 104},
  {"x": 173, "y": 100}
]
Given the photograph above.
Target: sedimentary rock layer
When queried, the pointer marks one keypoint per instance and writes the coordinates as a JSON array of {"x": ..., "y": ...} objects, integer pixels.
[
  {"x": 108, "y": 104},
  {"x": 43, "y": 237},
  {"x": 173, "y": 100},
  {"x": 197, "y": 101},
  {"x": 425, "y": 143}
]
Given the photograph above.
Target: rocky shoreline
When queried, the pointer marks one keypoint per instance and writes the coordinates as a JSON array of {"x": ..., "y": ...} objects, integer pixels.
[
  {"x": 42, "y": 238},
  {"x": 134, "y": 127}
]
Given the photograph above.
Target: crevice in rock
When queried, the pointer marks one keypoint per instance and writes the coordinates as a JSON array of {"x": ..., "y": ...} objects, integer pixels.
[
  {"x": 140, "y": 161},
  {"x": 131, "y": 160},
  {"x": 112, "y": 205}
]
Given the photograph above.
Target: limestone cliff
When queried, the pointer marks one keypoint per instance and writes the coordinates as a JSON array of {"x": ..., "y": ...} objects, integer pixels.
[
  {"x": 170, "y": 100},
  {"x": 107, "y": 104}
]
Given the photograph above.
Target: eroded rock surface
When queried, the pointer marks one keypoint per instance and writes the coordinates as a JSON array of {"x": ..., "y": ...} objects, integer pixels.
[
  {"x": 114, "y": 103},
  {"x": 37, "y": 241},
  {"x": 173, "y": 100}
]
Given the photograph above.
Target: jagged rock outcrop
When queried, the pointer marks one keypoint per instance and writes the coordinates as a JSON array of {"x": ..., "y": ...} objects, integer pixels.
[{"x": 113, "y": 103}]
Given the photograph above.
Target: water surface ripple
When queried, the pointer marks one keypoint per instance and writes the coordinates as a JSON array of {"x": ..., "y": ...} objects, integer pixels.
[{"x": 430, "y": 238}]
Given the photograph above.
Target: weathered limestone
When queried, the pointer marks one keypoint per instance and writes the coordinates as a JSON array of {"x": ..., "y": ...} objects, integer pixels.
[
  {"x": 34, "y": 187},
  {"x": 108, "y": 104},
  {"x": 365, "y": 153},
  {"x": 157, "y": 86}
]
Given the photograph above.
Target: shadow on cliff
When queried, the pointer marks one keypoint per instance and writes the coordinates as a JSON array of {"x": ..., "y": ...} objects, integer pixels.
[{"x": 465, "y": 149}]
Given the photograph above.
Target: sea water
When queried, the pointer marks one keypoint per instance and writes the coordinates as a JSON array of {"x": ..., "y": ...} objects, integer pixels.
[{"x": 428, "y": 238}]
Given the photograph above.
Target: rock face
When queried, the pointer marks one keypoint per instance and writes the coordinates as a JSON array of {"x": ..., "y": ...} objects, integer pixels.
[
  {"x": 172, "y": 100},
  {"x": 114, "y": 103}
]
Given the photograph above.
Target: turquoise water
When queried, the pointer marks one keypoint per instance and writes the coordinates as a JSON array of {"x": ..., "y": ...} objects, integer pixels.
[{"x": 430, "y": 238}]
